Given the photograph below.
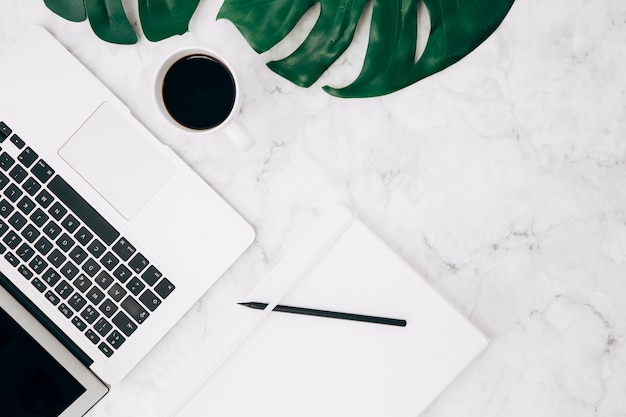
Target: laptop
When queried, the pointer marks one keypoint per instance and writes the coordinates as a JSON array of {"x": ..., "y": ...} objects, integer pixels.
[{"x": 106, "y": 237}]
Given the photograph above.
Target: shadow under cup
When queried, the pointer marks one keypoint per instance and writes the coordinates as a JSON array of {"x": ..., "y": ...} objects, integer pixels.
[{"x": 199, "y": 92}]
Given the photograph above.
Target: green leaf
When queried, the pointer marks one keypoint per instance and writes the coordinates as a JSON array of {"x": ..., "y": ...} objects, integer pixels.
[
  {"x": 264, "y": 23},
  {"x": 328, "y": 39},
  {"x": 457, "y": 28},
  {"x": 73, "y": 10},
  {"x": 161, "y": 19},
  {"x": 108, "y": 20}
]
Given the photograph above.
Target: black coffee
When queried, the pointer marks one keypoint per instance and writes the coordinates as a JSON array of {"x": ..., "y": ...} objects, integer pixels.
[{"x": 199, "y": 92}]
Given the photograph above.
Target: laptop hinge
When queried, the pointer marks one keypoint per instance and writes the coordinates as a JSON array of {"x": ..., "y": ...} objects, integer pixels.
[{"x": 45, "y": 321}]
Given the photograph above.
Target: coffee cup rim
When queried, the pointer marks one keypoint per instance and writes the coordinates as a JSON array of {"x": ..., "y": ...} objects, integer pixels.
[{"x": 157, "y": 87}]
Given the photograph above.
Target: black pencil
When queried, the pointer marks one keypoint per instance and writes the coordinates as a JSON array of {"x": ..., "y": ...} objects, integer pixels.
[{"x": 329, "y": 314}]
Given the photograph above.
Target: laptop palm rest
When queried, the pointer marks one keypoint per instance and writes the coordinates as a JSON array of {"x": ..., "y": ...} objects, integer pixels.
[{"x": 117, "y": 160}]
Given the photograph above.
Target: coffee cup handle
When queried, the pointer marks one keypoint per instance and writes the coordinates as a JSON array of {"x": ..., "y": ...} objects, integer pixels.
[{"x": 239, "y": 135}]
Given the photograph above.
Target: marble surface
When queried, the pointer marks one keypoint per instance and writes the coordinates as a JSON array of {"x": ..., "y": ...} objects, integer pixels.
[{"x": 502, "y": 180}]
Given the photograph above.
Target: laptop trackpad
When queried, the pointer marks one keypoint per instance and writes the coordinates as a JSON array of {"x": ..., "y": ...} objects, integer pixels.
[{"x": 117, "y": 160}]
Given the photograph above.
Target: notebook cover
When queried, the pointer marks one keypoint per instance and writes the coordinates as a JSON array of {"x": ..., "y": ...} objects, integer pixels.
[{"x": 266, "y": 363}]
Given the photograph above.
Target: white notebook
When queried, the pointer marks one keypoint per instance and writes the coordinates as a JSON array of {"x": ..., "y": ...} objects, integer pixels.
[{"x": 266, "y": 363}]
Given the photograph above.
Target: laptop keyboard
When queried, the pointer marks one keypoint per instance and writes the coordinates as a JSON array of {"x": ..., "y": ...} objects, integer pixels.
[{"x": 73, "y": 256}]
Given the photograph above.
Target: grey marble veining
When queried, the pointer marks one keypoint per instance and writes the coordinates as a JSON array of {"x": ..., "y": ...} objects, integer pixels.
[{"x": 501, "y": 179}]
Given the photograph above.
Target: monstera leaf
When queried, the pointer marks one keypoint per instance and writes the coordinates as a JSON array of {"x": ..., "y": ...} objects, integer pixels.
[
  {"x": 456, "y": 28},
  {"x": 160, "y": 19},
  {"x": 73, "y": 10}
]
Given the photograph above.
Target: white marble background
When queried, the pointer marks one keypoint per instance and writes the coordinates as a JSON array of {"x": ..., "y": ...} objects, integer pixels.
[{"x": 502, "y": 180}]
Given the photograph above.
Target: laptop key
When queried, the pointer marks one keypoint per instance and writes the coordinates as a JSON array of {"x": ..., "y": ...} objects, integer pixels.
[
  {"x": 70, "y": 223},
  {"x": 95, "y": 295},
  {"x": 44, "y": 198},
  {"x": 6, "y": 161},
  {"x": 122, "y": 273},
  {"x": 96, "y": 248},
  {"x": 52, "y": 230},
  {"x": 83, "y": 236},
  {"x": 17, "y": 221},
  {"x": 18, "y": 174},
  {"x": 5, "y": 208},
  {"x": 12, "y": 259},
  {"x": 31, "y": 186},
  {"x": 38, "y": 265},
  {"x": 116, "y": 339},
  {"x": 37, "y": 283},
  {"x": 117, "y": 292},
  {"x": 138, "y": 263},
  {"x": 136, "y": 311},
  {"x": 65, "y": 242},
  {"x": 164, "y": 288},
  {"x": 92, "y": 336},
  {"x": 81, "y": 208},
  {"x": 56, "y": 258},
  {"x": 108, "y": 308},
  {"x": 26, "y": 205},
  {"x": 30, "y": 233},
  {"x": 51, "y": 277},
  {"x": 104, "y": 280},
  {"x": 65, "y": 310},
  {"x": 109, "y": 261},
  {"x": 25, "y": 252},
  {"x": 124, "y": 249},
  {"x": 151, "y": 275},
  {"x": 12, "y": 192},
  {"x": 90, "y": 314},
  {"x": 5, "y": 131},
  {"x": 69, "y": 270},
  {"x": 150, "y": 300},
  {"x": 42, "y": 171},
  {"x": 125, "y": 324},
  {"x": 43, "y": 245},
  {"x": 27, "y": 157},
  {"x": 25, "y": 272},
  {"x": 78, "y": 255},
  {"x": 17, "y": 141},
  {"x": 57, "y": 211},
  {"x": 135, "y": 286},
  {"x": 103, "y": 327},
  {"x": 64, "y": 289},
  {"x": 80, "y": 325},
  {"x": 50, "y": 296},
  {"x": 104, "y": 348},
  {"x": 12, "y": 239},
  {"x": 3, "y": 228},
  {"x": 77, "y": 302},
  {"x": 39, "y": 217},
  {"x": 3, "y": 180},
  {"x": 82, "y": 283},
  {"x": 91, "y": 267}
]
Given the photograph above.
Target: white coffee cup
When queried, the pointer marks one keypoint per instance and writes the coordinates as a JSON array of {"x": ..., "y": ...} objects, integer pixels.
[{"x": 185, "y": 118}]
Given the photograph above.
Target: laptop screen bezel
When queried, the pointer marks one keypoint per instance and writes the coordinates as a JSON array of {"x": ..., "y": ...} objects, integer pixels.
[{"x": 94, "y": 388}]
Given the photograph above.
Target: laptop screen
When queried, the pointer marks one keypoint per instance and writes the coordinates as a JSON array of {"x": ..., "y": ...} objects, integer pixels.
[{"x": 32, "y": 382}]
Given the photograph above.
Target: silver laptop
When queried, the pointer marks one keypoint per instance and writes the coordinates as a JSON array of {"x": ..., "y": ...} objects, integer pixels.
[{"x": 106, "y": 237}]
